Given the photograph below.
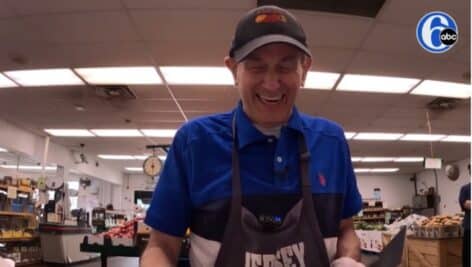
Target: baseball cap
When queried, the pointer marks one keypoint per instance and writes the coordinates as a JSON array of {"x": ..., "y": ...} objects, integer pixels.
[{"x": 264, "y": 25}]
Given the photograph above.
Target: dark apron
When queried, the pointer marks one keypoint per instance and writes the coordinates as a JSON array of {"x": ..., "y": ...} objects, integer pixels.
[{"x": 295, "y": 242}]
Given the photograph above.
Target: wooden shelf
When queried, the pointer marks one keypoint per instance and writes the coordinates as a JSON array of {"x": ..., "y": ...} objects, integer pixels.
[
  {"x": 20, "y": 188},
  {"x": 27, "y": 263},
  {"x": 373, "y": 210},
  {"x": 19, "y": 239},
  {"x": 11, "y": 213}
]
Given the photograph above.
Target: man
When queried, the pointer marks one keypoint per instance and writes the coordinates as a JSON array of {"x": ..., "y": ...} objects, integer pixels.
[
  {"x": 262, "y": 185},
  {"x": 464, "y": 201}
]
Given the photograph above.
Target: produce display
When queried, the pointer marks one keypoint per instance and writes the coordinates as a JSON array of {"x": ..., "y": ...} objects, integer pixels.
[
  {"x": 438, "y": 227},
  {"x": 122, "y": 231},
  {"x": 120, "y": 235},
  {"x": 441, "y": 221}
]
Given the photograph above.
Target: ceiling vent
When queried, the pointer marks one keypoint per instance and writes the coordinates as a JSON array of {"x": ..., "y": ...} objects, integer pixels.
[
  {"x": 364, "y": 8},
  {"x": 442, "y": 104},
  {"x": 114, "y": 92}
]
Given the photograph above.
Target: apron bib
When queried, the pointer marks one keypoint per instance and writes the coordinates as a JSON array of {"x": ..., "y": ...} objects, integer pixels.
[{"x": 268, "y": 241}]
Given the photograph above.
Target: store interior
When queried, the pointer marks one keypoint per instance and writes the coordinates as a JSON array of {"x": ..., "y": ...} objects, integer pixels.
[{"x": 117, "y": 78}]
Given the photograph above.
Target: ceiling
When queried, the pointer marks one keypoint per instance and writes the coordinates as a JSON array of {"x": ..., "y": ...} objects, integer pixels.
[{"x": 89, "y": 33}]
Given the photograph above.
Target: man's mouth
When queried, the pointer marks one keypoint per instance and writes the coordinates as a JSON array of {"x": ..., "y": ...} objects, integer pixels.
[{"x": 271, "y": 99}]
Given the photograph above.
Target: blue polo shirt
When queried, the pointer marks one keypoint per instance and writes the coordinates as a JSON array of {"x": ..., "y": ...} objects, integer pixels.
[{"x": 194, "y": 188}]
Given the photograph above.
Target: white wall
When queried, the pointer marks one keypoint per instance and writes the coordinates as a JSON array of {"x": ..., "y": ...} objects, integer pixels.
[
  {"x": 396, "y": 190},
  {"x": 132, "y": 183},
  {"x": 19, "y": 140},
  {"x": 448, "y": 190}
]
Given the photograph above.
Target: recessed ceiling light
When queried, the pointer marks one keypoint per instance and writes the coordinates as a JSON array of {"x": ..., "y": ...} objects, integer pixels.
[
  {"x": 409, "y": 159},
  {"x": 120, "y": 75},
  {"x": 134, "y": 169},
  {"x": 349, "y": 135},
  {"x": 117, "y": 132},
  {"x": 320, "y": 80},
  {"x": 379, "y": 84},
  {"x": 376, "y": 159},
  {"x": 444, "y": 89},
  {"x": 159, "y": 132},
  {"x": 69, "y": 132},
  {"x": 197, "y": 75},
  {"x": 378, "y": 136},
  {"x": 116, "y": 157},
  {"x": 5, "y": 82},
  {"x": 422, "y": 137},
  {"x": 44, "y": 77},
  {"x": 3, "y": 149},
  {"x": 457, "y": 138}
]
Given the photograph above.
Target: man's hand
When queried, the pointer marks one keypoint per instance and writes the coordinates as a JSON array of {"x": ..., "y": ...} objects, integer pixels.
[
  {"x": 467, "y": 205},
  {"x": 348, "y": 242},
  {"x": 346, "y": 262},
  {"x": 162, "y": 250}
]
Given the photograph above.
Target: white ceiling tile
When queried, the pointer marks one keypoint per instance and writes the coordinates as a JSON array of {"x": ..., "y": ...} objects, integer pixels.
[
  {"x": 405, "y": 12},
  {"x": 393, "y": 39},
  {"x": 324, "y": 29},
  {"x": 194, "y": 53},
  {"x": 5, "y": 10},
  {"x": 330, "y": 58},
  {"x": 190, "y": 4},
  {"x": 186, "y": 25},
  {"x": 96, "y": 27},
  {"x": 27, "y": 7},
  {"x": 407, "y": 66},
  {"x": 452, "y": 72}
]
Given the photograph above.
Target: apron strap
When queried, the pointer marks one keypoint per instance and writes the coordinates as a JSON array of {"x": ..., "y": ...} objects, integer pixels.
[{"x": 308, "y": 205}]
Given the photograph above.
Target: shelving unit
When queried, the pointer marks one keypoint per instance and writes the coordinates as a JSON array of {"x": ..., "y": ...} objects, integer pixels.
[{"x": 18, "y": 223}]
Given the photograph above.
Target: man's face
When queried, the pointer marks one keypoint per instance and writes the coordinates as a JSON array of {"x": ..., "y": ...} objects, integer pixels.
[{"x": 268, "y": 81}]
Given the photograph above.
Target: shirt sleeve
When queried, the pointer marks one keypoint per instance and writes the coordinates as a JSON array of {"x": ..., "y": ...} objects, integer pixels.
[
  {"x": 463, "y": 197},
  {"x": 170, "y": 208},
  {"x": 352, "y": 197}
]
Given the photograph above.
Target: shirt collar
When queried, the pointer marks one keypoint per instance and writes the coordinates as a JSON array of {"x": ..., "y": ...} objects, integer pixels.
[{"x": 247, "y": 133}]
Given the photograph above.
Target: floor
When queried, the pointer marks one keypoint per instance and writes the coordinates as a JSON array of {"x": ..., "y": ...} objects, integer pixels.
[{"x": 133, "y": 262}]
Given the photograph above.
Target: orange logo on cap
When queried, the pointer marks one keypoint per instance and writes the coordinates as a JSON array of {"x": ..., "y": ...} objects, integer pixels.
[{"x": 270, "y": 18}]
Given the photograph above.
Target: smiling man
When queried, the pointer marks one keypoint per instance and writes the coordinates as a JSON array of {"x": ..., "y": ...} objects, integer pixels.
[{"x": 262, "y": 185}]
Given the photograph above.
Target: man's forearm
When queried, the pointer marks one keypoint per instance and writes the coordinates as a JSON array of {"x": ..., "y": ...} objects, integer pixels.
[
  {"x": 155, "y": 256},
  {"x": 348, "y": 244}
]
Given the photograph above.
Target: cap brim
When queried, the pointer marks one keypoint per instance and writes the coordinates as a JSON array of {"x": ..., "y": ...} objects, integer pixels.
[{"x": 242, "y": 52}]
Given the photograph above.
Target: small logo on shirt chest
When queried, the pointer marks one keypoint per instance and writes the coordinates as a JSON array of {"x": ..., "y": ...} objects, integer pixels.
[{"x": 321, "y": 179}]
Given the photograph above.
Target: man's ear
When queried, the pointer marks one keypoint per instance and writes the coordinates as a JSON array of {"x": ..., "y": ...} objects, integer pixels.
[
  {"x": 306, "y": 65},
  {"x": 232, "y": 65}
]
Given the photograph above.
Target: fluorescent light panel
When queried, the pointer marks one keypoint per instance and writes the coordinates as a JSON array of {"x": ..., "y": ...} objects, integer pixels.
[
  {"x": 159, "y": 132},
  {"x": 120, "y": 75},
  {"x": 117, "y": 132},
  {"x": 29, "y": 167},
  {"x": 69, "y": 132},
  {"x": 457, "y": 138},
  {"x": 44, "y": 77},
  {"x": 197, "y": 75},
  {"x": 134, "y": 169},
  {"x": 375, "y": 170},
  {"x": 5, "y": 82},
  {"x": 422, "y": 137},
  {"x": 320, "y": 80},
  {"x": 3, "y": 149},
  {"x": 349, "y": 135},
  {"x": 378, "y": 136},
  {"x": 116, "y": 157},
  {"x": 376, "y": 159},
  {"x": 444, "y": 89},
  {"x": 379, "y": 84},
  {"x": 409, "y": 159},
  {"x": 356, "y": 159}
]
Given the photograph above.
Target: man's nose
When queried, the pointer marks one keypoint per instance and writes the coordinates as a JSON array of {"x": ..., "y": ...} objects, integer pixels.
[{"x": 271, "y": 81}]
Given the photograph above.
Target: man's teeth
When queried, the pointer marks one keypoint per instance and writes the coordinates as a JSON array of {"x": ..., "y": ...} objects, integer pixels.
[{"x": 272, "y": 99}]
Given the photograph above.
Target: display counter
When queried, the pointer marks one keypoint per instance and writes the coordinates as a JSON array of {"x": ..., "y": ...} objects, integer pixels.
[{"x": 61, "y": 243}]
